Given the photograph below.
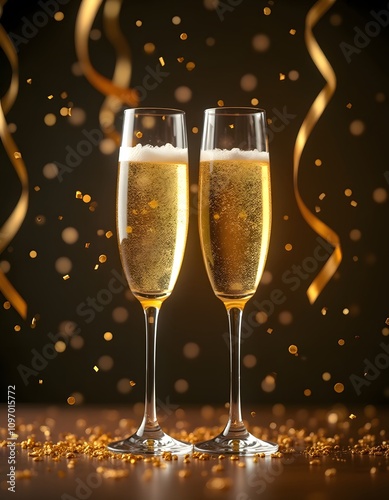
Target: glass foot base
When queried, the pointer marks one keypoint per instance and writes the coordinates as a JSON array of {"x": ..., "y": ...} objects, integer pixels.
[
  {"x": 246, "y": 445},
  {"x": 147, "y": 445}
]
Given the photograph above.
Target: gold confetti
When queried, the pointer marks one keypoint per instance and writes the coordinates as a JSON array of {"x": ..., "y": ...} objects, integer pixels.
[
  {"x": 292, "y": 31},
  {"x": 307, "y": 392},
  {"x": 282, "y": 76},
  {"x": 29, "y": 81},
  {"x": 108, "y": 336},
  {"x": 267, "y": 11},
  {"x": 387, "y": 321},
  {"x": 87, "y": 245},
  {"x": 138, "y": 23},
  {"x": 109, "y": 234},
  {"x": 353, "y": 203},
  {"x": 50, "y": 96},
  {"x": 330, "y": 472},
  {"x": 324, "y": 311},
  {"x": 17, "y": 328},
  {"x": 373, "y": 470},
  {"x": 269, "y": 330},
  {"x": 345, "y": 311},
  {"x": 348, "y": 192},
  {"x": 220, "y": 102},
  {"x": 195, "y": 130},
  {"x": 132, "y": 383},
  {"x": 162, "y": 61},
  {"x": 7, "y": 305},
  {"x": 79, "y": 195},
  {"x": 153, "y": 204},
  {"x": 190, "y": 66},
  {"x": 66, "y": 277},
  {"x": 149, "y": 48},
  {"x": 288, "y": 247},
  {"x": 216, "y": 216},
  {"x": 96, "y": 368},
  {"x": 102, "y": 258},
  {"x": 64, "y": 95},
  {"x": 254, "y": 101},
  {"x": 128, "y": 229},
  {"x": 86, "y": 198},
  {"x": 349, "y": 105},
  {"x": 322, "y": 196},
  {"x": 71, "y": 400},
  {"x": 96, "y": 267},
  {"x": 341, "y": 342},
  {"x": 180, "y": 59},
  {"x": 183, "y": 36},
  {"x": 338, "y": 387},
  {"x": 17, "y": 155},
  {"x": 318, "y": 162},
  {"x": 33, "y": 254},
  {"x": 352, "y": 416},
  {"x": 37, "y": 188},
  {"x": 253, "y": 413},
  {"x": 138, "y": 134},
  {"x": 40, "y": 381},
  {"x": 293, "y": 349}
]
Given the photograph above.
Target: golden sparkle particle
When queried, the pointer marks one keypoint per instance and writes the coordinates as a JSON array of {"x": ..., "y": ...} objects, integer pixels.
[
  {"x": 324, "y": 311},
  {"x": 307, "y": 392},
  {"x": 153, "y": 204},
  {"x": 292, "y": 31},
  {"x": 33, "y": 254},
  {"x": 59, "y": 16},
  {"x": 50, "y": 96},
  {"x": 318, "y": 162},
  {"x": 40, "y": 381},
  {"x": 17, "y": 155},
  {"x": 180, "y": 59},
  {"x": 96, "y": 368},
  {"x": 96, "y": 267},
  {"x": 132, "y": 383},
  {"x": 349, "y": 105},
  {"x": 352, "y": 416},
  {"x": 282, "y": 76},
  {"x": 288, "y": 247},
  {"x": 253, "y": 413},
  {"x": 87, "y": 244},
  {"x": 71, "y": 400},
  {"x": 317, "y": 209},
  {"x": 387, "y": 321},
  {"x": 102, "y": 258},
  {"x": 190, "y": 66},
  {"x": 86, "y": 198},
  {"x": 184, "y": 36},
  {"x": 184, "y": 473},
  {"x": 195, "y": 130},
  {"x": 138, "y": 134},
  {"x": 216, "y": 216},
  {"x": 269, "y": 331},
  {"x": 64, "y": 95},
  {"x": 29, "y": 81},
  {"x": 353, "y": 203},
  {"x": 109, "y": 234},
  {"x": 176, "y": 20},
  {"x": 108, "y": 336},
  {"x": 348, "y": 192},
  {"x": 7, "y": 305},
  {"x": 254, "y": 101},
  {"x": 231, "y": 125},
  {"x": 66, "y": 277},
  {"x": 293, "y": 349},
  {"x": 128, "y": 229},
  {"x": 267, "y": 11},
  {"x": 322, "y": 196},
  {"x": 17, "y": 328},
  {"x": 139, "y": 23},
  {"x": 346, "y": 311},
  {"x": 326, "y": 376},
  {"x": 161, "y": 61},
  {"x": 37, "y": 188},
  {"x": 286, "y": 217},
  {"x": 220, "y": 102},
  {"x": 338, "y": 387},
  {"x": 341, "y": 342}
]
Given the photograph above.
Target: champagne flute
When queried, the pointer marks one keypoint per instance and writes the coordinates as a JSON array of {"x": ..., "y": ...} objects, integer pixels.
[
  {"x": 234, "y": 226},
  {"x": 152, "y": 224}
]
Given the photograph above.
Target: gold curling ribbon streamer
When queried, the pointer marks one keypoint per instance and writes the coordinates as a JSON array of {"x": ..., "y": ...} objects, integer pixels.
[
  {"x": 15, "y": 220},
  {"x": 119, "y": 86},
  {"x": 313, "y": 115}
]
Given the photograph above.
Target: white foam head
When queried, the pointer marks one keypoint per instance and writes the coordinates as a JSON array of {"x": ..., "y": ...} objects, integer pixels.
[
  {"x": 166, "y": 153},
  {"x": 234, "y": 155}
]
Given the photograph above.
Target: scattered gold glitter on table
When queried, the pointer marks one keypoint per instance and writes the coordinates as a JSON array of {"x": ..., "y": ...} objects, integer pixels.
[{"x": 50, "y": 96}]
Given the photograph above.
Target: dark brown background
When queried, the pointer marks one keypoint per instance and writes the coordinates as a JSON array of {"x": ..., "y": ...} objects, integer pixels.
[{"x": 193, "y": 314}]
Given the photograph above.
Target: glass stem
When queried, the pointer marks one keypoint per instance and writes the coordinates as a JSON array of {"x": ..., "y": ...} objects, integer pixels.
[
  {"x": 235, "y": 423},
  {"x": 150, "y": 421}
]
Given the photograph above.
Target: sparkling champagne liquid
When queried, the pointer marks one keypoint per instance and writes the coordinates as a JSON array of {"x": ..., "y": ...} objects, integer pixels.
[
  {"x": 152, "y": 222},
  {"x": 235, "y": 220}
]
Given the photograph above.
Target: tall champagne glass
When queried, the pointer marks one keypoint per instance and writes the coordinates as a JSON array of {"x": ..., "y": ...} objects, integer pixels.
[
  {"x": 234, "y": 226},
  {"x": 152, "y": 224}
]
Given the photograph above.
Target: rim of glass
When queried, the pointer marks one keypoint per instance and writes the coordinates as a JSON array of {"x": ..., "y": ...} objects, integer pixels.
[
  {"x": 155, "y": 111},
  {"x": 235, "y": 111}
]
